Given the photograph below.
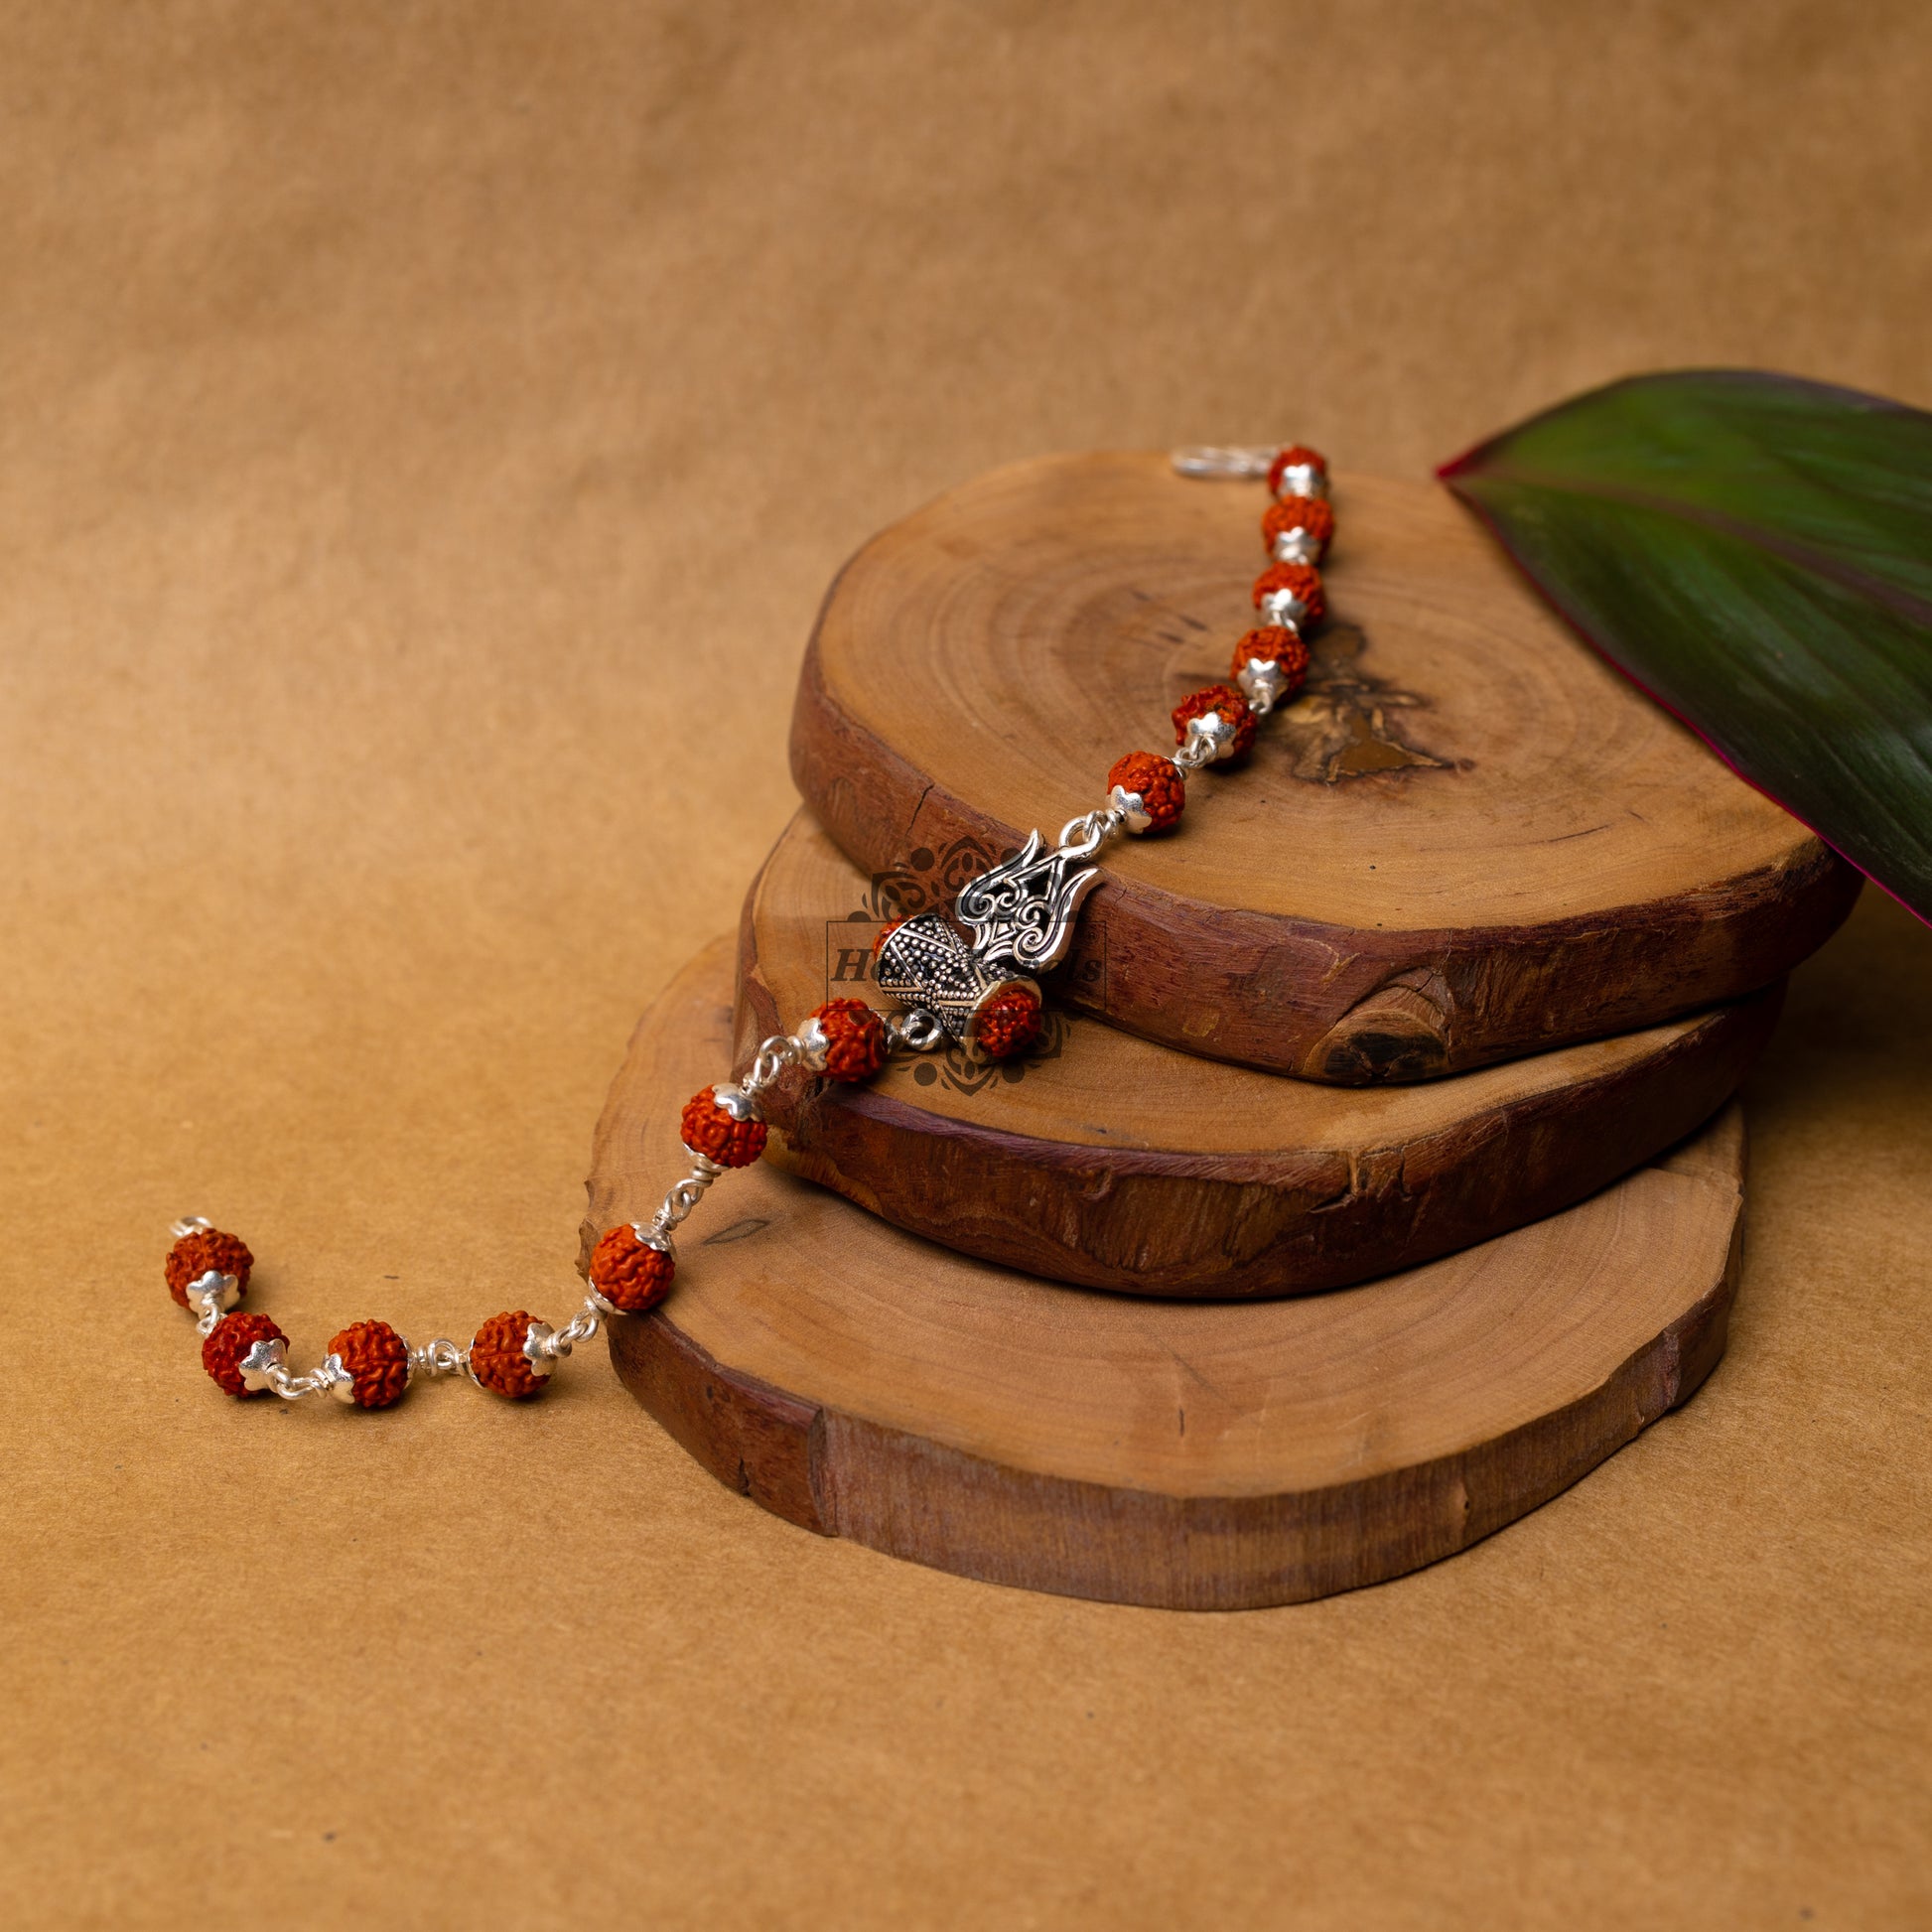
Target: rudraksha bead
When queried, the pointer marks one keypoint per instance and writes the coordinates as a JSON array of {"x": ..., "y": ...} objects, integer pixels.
[
  {"x": 1276, "y": 644},
  {"x": 1298, "y": 456},
  {"x": 207, "y": 1250},
  {"x": 850, "y": 1041},
  {"x": 377, "y": 1360},
  {"x": 1007, "y": 1023},
  {"x": 630, "y": 1272},
  {"x": 1303, "y": 582},
  {"x": 497, "y": 1359},
  {"x": 1229, "y": 703},
  {"x": 229, "y": 1340},
  {"x": 1156, "y": 781},
  {"x": 1308, "y": 513},
  {"x": 710, "y": 1128}
]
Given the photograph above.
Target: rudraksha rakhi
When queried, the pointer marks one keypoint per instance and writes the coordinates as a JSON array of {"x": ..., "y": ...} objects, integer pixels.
[{"x": 976, "y": 993}]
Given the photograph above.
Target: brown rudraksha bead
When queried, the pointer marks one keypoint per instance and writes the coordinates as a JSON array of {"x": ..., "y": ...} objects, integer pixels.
[
  {"x": 1007, "y": 1023},
  {"x": 1300, "y": 581},
  {"x": 630, "y": 1272},
  {"x": 229, "y": 1340},
  {"x": 1308, "y": 513},
  {"x": 710, "y": 1128},
  {"x": 377, "y": 1360},
  {"x": 1298, "y": 456},
  {"x": 856, "y": 1042},
  {"x": 1276, "y": 644},
  {"x": 208, "y": 1251},
  {"x": 497, "y": 1359},
  {"x": 1229, "y": 703},
  {"x": 1156, "y": 780}
]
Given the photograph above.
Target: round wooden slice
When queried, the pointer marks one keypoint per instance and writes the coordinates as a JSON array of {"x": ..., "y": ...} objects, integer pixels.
[
  {"x": 1109, "y": 1160},
  {"x": 1200, "y": 1454},
  {"x": 1469, "y": 839}
]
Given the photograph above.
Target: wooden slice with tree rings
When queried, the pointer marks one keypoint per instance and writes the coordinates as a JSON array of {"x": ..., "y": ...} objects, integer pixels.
[
  {"x": 859, "y": 1381},
  {"x": 1469, "y": 839},
  {"x": 1112, "y": 1162}
]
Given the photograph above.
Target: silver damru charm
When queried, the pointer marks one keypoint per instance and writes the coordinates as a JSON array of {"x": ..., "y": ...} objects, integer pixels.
[{"x": 924, "y": 962}]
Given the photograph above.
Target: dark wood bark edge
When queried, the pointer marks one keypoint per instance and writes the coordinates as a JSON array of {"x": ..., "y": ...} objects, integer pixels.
[
  {"x": 907, "y": 1496},
  {"x": 1132, "y": 1220}
]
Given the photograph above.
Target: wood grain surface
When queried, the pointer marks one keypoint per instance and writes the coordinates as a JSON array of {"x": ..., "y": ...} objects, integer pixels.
[
  {"x": 1468, "y": 840},
  {"x": 1116, "y": 1163},
  {"x": 1205, "y": 1456}
]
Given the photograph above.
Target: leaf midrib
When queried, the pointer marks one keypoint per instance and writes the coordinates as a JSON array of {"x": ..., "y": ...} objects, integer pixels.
[{"x": 1791, "y": 550}]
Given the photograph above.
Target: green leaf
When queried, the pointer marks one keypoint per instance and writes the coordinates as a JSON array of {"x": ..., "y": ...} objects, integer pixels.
[{"x": 1755, "y": 552}]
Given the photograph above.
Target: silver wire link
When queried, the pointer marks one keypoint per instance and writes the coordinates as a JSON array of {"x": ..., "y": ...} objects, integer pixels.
[
  {"x": 918, "y": 1030},
  {"x": 580, "y": 1326},
  {"x": 190, "y": 1224},
  {"x": 687, "y": 1194},
  {"x": 1241, "y": 463},
  {"x": 320, "y": 1380},
  {"x": 439, "y": 1357},
  {"x": 774, "y": 1056},
  {"x": 1082, "y": 837},
  {"x": 212, "y": 1297}
]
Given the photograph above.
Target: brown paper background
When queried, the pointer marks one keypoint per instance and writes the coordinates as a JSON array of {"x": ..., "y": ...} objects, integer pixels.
[{"x": 424, "y": 432}]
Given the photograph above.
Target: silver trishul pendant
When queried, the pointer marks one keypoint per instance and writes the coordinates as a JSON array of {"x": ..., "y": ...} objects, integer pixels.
[{"x": 1021, "y": 913}]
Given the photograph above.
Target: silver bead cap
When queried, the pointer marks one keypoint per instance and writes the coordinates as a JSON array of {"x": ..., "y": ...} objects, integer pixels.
[
  {"x": 258, "y": 1367},
  {"x": 539, "y": 1349},
  {"x": 1297, "y": 546},
  {"x": 335, "y": 1376},
  {"x": 1262, "y": 684},
  {"x": 813, "y": 1044},
  {"x": 1283, "y": 607},
  {"x": 1132, "y": 807},
  {"x": 736, "y": 1101},
  {"x": 1210, "y": 738},
  {"x": 1302, "y": 480}
]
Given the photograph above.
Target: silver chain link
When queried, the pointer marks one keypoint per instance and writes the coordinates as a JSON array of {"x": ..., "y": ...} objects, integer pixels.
[
  {"x": 772, "y": 1058},
  {"x": 1082, "y": 837},
  {"x": 1240, "y": 461},
  {"x": 439, "y": 1357}
]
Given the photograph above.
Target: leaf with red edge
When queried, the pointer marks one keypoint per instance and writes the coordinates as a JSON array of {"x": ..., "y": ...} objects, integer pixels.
[{"x": 1756, "y": 552}]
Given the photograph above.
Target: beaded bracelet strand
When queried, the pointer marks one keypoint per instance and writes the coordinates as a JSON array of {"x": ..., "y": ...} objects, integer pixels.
[{"x": 980, "y": 993}]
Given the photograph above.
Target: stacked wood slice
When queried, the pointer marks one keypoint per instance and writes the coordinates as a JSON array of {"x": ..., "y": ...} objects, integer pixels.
[{"x": 1436, "y": 1004}]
